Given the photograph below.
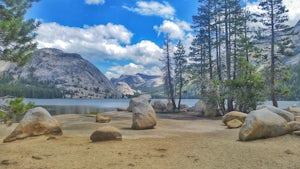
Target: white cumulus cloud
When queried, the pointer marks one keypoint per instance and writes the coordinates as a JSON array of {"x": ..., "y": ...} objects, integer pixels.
[
  {"x": 176, "y": 30},
  {"x": 153, "y": 8},
  {"x": 100, "y": 42},
  {"x": 291, "y": 5},
  {"x": 94, "y": 2}
]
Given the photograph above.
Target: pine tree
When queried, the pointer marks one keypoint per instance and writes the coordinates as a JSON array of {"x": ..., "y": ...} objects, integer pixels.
[
  {"x": 274, "y": 17},
  {"x": 16, "y": 33},
  {"x": 167, "y": 72},
  {"x": 180, "y": 62}
]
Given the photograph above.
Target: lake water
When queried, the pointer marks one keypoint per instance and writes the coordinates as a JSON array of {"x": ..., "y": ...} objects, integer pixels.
[{"x": 78, "y": 106}]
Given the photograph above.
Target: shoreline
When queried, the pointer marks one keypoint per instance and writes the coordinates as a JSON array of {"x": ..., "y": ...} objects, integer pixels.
[{"x": 178, "y": 141}]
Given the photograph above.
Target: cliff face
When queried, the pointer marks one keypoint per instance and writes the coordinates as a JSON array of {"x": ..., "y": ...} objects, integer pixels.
[
  {"x": 139, "y": 83},
  {"x": 73, "y": 75}
]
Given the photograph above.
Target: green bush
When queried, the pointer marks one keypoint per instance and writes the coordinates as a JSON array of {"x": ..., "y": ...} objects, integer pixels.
[{"x": 16, "y": 108}]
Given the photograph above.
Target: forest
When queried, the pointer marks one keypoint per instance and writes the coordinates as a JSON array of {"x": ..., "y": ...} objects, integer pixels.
[{"x": 236, "y": 58}]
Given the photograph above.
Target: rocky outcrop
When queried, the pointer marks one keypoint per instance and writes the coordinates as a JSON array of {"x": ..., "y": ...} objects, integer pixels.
[
  {"x": 141, "y": 83},
  {"x": 106, "y": 133},
  {"x": 283, "y": 113},
  {"x": 234, "y": 115},
  {"x": 263, "y": 124},
  {"x": 125, "y": 89},
  {"x": 102, "y": 119},
  {"x": 37, "y": 121},
  {"x": 139, "y": 80},
  {"x": 69, "y": 72}
]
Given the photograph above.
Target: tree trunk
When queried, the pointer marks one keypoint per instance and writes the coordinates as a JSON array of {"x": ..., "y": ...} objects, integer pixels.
[
  {"x": 272, "y": 83},
  {"x": 228, "y": 54}
]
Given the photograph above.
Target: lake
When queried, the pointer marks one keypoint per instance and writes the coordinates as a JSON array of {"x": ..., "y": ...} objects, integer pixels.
[{"x": 78, "y": 106}]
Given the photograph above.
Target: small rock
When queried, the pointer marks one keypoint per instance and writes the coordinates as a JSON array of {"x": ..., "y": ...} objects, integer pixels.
[
  {"x": 296, "y": 133},
  {"x": 131, "y": 165},
  {"x": 294, "y": 125},
  {"x": 51, "y": 138},
  {"x": 5, "y": 162},
  {"x": 37, "y": 157},
  {"x": 235, "y": 123},
  {"x": 234, "y": 115},
  {"x": 294, "y": 109},
  {"x": 288, "y": 151},
  {"x": 122, "y": 109},
  {"x": 102, "y": 119},
  {"x": 106, "y": 133}
]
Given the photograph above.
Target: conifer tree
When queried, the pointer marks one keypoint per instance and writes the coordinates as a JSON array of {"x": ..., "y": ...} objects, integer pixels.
[
  {"x": 16, "y": 33},
  {"x": 274, "y": 18},
  {"x": 180, "y": 62},
  {"x": 167, "y": 72}
]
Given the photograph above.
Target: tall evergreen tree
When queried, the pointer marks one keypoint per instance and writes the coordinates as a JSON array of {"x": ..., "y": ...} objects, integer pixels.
[
  {"x": 167, "y": 72},
  {"x": 274, "y": 18},
  {"x": 180, "y": 61},
  {"x": 16, "y": 33}
]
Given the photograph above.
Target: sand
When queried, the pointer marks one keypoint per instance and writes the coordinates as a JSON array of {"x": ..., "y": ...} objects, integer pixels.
[{"x": 181, "y": 141}]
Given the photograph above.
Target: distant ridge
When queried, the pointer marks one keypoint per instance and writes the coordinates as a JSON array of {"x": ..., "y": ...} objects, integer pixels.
[{"x": 73, "y": 75}]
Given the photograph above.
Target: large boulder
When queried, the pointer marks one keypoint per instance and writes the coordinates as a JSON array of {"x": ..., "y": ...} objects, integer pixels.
[
  {"x": 234, "y": 115},
  {"x": 234, "y": 123},
  {"x": 37, "y": 121},
  {"x": 102, "y": 119},
  {"x": 205, "y": 109},
  {"x": 106, "y": 133},
  {"x": 288, "y": 116},
  {"x": 263, "y": 124},
  {"x": 160, "y": 106},
  {"x": 135, "y": 101},
  {"x": 144, "y": 116},
  {"x": 294, "y": 125}
]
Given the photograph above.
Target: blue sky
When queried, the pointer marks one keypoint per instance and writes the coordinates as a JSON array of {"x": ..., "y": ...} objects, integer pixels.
[{"x": 117, "y": 36}]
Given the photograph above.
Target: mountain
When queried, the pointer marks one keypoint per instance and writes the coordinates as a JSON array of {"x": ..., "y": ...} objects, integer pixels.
[
  {"x": 140, "y": 83},
  {"x": 296, "y": 40},
  {"x": 74, "y": 76},
  {"x": 139, "y": 80}
]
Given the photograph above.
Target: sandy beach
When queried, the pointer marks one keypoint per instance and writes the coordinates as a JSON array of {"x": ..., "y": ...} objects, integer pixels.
[{"x": 179, "y": 141}]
